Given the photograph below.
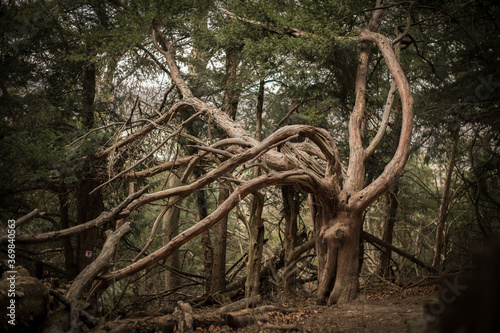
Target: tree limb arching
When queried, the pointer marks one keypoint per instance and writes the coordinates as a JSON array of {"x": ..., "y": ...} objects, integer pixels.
[
  {"x": 273, "y": 158},
  {"x": 384, "y": 123},
  {"x": 395, "y": 167},
  {"x": 271, "y": 179},
  {"x": 280, "y": 135}
]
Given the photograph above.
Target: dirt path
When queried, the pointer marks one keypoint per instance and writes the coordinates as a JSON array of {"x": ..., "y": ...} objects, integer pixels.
[
  {"x": 380, "y": 312},
  {"x": 363, "y": 315}
]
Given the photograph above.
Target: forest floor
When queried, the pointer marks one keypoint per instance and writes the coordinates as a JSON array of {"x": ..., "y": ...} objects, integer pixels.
[{"x": 377, "y": 310}]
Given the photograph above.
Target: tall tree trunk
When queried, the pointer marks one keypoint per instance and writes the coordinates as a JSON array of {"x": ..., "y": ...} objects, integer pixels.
[
  {"x": 256, "y": 224},
  {"x": 229, "y": 105},
  {"x": 218, "y": 278},
  {"x": 391, "y": 203},
  {"x": 88, "y": 206},
  {"x": 170, "y": 229},
  {"x": 444, "y": 206},
  {"x": 290, "y": 213},
  {"x": 232, "y": 89},
  {"x": 255, "y": 246},
  {"x": 208, "y": 251}
]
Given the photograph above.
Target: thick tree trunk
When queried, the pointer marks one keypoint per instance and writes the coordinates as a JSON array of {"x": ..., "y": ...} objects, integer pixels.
[
  {"x": 444, "y": 207},
  {"x": 385, "y": 262},
  {"x": 170, "y": 229},
  {"x": 337, "y": 246},
  {"x": 326, "y": 253},
  {"x": 346, "y": 241}
]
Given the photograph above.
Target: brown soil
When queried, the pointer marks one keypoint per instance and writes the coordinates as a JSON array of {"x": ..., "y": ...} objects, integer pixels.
[{"x": 375, "y": 312}]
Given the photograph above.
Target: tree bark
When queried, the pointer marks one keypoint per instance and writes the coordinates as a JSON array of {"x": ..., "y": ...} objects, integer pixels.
[
  {"x": 208, "y": 251},
  {"x": 69, "y": 254},
  {"x": 255, "y": 246},
  {"x": 98, "y": 265},
  {"x": 170, "y": 229},
  {"x": 255, "y": 223},
  {"x": 385, "y": 261},
  {"x": 88, "y": 206},
  {"x": 290, "y": 213},
  {"x": 444, "y": 206},
  {"x": 218, "y": 278}
]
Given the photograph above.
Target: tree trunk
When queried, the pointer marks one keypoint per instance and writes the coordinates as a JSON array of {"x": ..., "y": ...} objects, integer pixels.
[
  {"x": 218, "y": 278},
  {"x": 346, "y": 242},
  {"x": 444, "y": 206},
  {"x": 229, "y": 105},
  {"x": 89, "y": 207},
  {"x": 385, "y": 262},
  {"x": 256, "y": 224},
  {"x": 337, "y": 244},
  {"x": 232, "y": 89},
  {"x": 170, "y": 229},
  {"x": 69, "y": 254},
  {"x": 325, "y": 251},
  {"x": 290, "y": 213},
  {"x": 255, "y": 246},
  {"x": 208, "y": 251}
]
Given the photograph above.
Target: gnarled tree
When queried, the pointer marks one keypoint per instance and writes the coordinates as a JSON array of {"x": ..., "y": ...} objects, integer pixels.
[{"x": 338, "y": 194}]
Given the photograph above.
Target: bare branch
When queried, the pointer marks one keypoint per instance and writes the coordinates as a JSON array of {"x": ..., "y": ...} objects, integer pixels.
[
  {"x": 105, "y": 217},
  {"x": 196, "y": 160},
  {"x": 293, "y": 32},
  {"x": 99, "y": 264},
  {"x": 167, "y": 166},
  {"x": 141, "y": 133},
  {"x": 383, "y": 124},
  {"x": 280, "y": 135},
  {"x": 271, "y": 179},
  {"x": 166, "y": 50},
  {"x": 171, "y": 135},
  {"x": 395, "y": 167},
  {"x": 28, "y": 217}
]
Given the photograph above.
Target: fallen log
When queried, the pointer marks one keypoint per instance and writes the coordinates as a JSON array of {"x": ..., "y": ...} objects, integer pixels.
[
  {"x": 238, "y": 305},
  {"x": 372, "y": 239},
  {"x": 244, "y": 318}
]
